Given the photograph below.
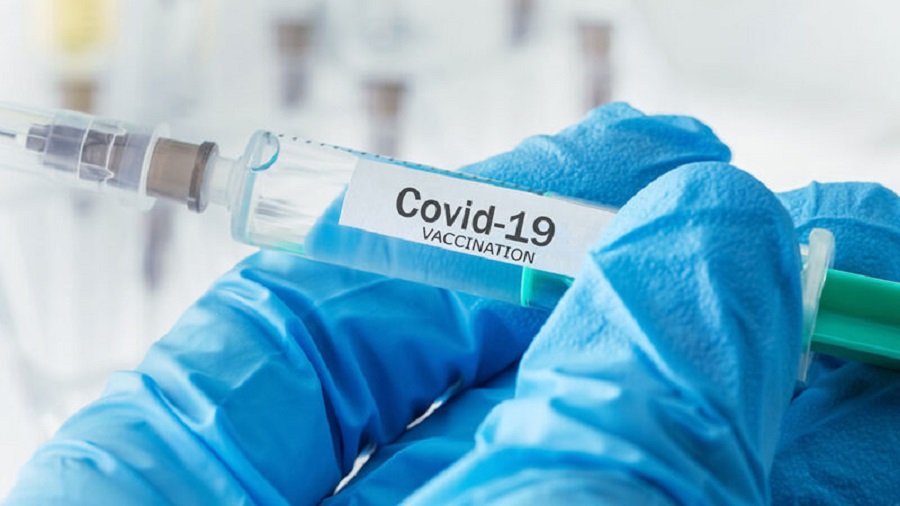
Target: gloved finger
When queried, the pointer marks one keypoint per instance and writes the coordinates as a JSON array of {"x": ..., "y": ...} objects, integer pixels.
[
  {"x": 839, "y": 440},
  {"x": 865, "y": 221},
  {"x": 608, "y": 157},
  {"x": 663, "y": 373},
  {"x": 286, "y": 360},
  {"x": 398, "y": 468}
]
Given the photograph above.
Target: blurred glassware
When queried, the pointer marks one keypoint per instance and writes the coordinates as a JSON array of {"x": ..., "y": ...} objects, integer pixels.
[
  {"x": 384, "y": 102},
  {"x": 78, "y": 36},
  {"x": 383, "y": 53},
  {"x": 172, "y": 57},
  {"x": 521, "y": 20},
  {"x": 294, "y": 26},
  {"x": 595, "y": 38}
]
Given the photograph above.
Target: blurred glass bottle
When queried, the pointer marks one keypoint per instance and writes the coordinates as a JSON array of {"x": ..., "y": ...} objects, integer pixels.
[
  {"x": 596, "y": 24},
  {"x": 521, "y": 20},
  {"x": 294, "y": 28},
  {"x": 595, "y": 40},
  {"x": 384, "y": 106},
  {"x": 78, "y": 36},
  {"x": 386, "y": 28}
]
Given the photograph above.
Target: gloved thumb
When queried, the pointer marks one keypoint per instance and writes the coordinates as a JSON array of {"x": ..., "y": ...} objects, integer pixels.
[{"x": 665, "y": 370}]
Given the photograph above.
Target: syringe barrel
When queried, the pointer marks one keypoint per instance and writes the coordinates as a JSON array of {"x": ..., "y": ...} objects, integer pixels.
[{"x": 447, "y": 229}]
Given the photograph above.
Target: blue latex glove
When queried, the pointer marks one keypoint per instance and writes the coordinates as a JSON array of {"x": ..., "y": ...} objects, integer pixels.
[
  {"x": 270, "y": 385},
  {"x": 664, "y": 372},
  {"x": 840, "y": 439}
]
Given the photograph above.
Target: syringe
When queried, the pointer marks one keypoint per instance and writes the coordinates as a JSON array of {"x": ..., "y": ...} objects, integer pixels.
[{"x": 407, "y": 221}]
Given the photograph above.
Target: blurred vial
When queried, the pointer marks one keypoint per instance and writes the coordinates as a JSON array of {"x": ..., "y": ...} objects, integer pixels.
[
  {"x": 294, "y": 39},
  {"x": 172, "y": 43},
  {"x": 595, "y": 40},
  {"x": 78, "y": 36},
  {"x": 387, "y": 55},
  {"x": 386, "y": 25},
  {"x": 295, "y": 26},
  {"x": 384, "y": 106},
  {"x": 521, "y": 20}
]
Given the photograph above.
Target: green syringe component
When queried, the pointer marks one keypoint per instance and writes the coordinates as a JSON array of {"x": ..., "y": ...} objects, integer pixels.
[
  {"x": 846, "y": 315},
  {"x": 859, "y": 319}
]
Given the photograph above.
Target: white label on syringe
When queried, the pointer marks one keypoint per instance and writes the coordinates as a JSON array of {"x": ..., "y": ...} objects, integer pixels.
[{"x": 477, "y": 218}]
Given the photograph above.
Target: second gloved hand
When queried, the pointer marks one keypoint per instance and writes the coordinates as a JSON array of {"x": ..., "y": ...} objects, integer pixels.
[
  {"x": 663, "y": 374},
  {"x": 840, "y": 442}
]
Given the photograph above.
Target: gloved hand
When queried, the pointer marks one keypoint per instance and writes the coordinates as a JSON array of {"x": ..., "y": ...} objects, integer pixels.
[
  {"x": 663, "y": 374},
  {"x": 270, "y": 385},
  {"x": 840, "y": 442}
]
